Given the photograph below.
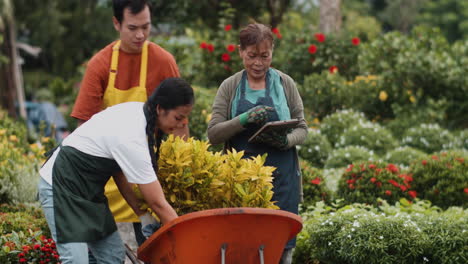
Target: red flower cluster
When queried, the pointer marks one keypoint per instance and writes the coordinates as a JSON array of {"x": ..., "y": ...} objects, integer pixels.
[
  {"x": 42, "y": 252},
  {"x": 225, "y": 57},
  {"x": 379, "y": 175},
  {"x": 355, "y": 41},
  {"x": 320, "y": 37},
  {"x": 231, "y": 47},
  {"x": 276, "y": 32},
  {"x": 312, "y": 49},
  {"x": 207, "y": 46},
  {"x": 333, "y": 69},
  {"x": 315, "y": 181},
  {"x": 227, "y": 27}
]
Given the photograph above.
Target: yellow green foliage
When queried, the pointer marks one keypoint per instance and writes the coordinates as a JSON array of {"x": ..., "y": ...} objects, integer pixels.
[{"x": 194, "y": 178}]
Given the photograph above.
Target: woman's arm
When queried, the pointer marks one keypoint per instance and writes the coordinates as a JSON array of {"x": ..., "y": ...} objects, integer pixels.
[
  {"x": 221, "y": 127},
  {"x": 126, "y": 190},
  {"x": 154, "y": 196}
]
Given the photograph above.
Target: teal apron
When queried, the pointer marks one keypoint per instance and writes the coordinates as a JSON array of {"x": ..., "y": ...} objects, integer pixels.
[
  {"x": 286, "y": 177},
  {"x": 81, "y": 210}
]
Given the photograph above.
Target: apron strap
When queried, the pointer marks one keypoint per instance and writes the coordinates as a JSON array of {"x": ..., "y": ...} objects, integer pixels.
[{"x": 114, "y": 64}]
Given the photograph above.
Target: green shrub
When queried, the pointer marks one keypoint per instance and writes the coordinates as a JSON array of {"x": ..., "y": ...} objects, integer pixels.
[
  {"x": 342, "y": 157},
  {"x": 399, "y": 234},
  {"x": 442, "y": 179},
  {"x": 315, "y": 149},
  {"x": 418, "y": 67},
  {"x": 369, "y": 135},
  {"x": 411, "y": 115},
  {"x": 403, "y": 156},
  {"x": 19, "y": 162},
  {"x": 461, "y": 139},
  {"x": 366, "y": 182},
  {"x": 320, "y": 94},
  {"x": 27, "y": 247},
  {"x": 313, "y": 184},
  {"x": 335, "y": 124},
  {"x": 201, "y": 113},
  {"x": 428, "y": 138}
]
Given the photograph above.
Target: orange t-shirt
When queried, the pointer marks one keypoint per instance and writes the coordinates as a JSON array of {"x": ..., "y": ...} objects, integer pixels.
[{"x": 161, "y": 65}]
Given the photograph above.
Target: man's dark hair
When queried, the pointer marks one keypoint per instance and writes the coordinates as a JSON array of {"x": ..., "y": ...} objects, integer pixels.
[{"x": 136, "y": 6}]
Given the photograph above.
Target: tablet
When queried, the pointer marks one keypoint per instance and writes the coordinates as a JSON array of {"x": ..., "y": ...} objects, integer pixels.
[{"x": 280, "y": 126}]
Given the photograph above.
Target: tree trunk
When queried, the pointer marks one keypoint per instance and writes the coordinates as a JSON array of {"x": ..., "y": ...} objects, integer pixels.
[
  {"x": 277, "y": 8},
  {"x": 330, "y": 16}
]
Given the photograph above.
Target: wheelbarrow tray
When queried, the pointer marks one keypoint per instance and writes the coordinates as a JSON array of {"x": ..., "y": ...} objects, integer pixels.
[{"x": 244, "y": 233}]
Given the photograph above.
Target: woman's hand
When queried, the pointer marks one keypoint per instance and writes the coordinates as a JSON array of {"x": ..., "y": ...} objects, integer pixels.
[
  {"x": 274, "y": 139},
  {"x": 256, "y": 115}
]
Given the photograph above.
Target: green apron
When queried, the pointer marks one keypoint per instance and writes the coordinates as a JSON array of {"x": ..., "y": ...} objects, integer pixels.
[{"x": 81, "y": 210}]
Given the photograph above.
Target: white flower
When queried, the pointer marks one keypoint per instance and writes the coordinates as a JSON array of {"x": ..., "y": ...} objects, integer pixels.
[
  {"x": 356, "y": 224},
  {"x": 425, "y": 259},
  {"x": 381, "y": 237},
  {"x": 329, "y": 243},
  {"x": 349, "y": 236},
  {"x": 352, "y": 229}
]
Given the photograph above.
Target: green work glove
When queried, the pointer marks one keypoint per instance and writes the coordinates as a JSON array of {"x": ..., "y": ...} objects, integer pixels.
[
  {"x": 256, "y": 115},
  {"x": 274, "y": 139}
]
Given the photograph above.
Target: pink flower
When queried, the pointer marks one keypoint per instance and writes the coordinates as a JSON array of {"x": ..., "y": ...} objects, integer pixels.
[
  {"x": 312, "y": 49},
  {"x": 373, "y": 179},
  {"x": 231, "y": 47},
  {"x": 227, "y": 27},
  {"x": 355, "y": 41},
  {"x": 372, "y": 166},
  {"x": 320, "y": 37}
]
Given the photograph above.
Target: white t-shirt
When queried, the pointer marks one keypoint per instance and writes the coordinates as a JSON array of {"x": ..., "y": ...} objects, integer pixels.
[{"x": 118, "y": 133}]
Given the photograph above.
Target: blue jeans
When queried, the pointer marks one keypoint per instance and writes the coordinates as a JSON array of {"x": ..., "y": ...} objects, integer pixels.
[{"x": 107, "y": 250}]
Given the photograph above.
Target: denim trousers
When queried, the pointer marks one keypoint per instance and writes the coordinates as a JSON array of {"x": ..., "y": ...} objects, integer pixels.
[{"x": 109, "y": 250}]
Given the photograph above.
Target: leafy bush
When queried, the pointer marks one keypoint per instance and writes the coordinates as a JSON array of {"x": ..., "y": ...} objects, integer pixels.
[
  {"x": 195, "y": 179},
  {"x": 310, "y": 52},
  {"x": 369, "y": 135},
  {"x": 403, "y": 156},
  {"x": 24, "y": 235},
  {"x": 313, "y": 184},
  {"x": 428, "y": 138},
  {"x": 319, "y": 93},
  {"x": 368, "y": 181},
  {"x": 442, "y": 179},
  {"x": 201, "y": 113},
  {"x": 461, "y": 139},
  {"x": 335, "y": 124},
  {"x": 418, "y": 67},
  {"x": 363, "y": 234},
  {"x": 408, "y": 116},
  {"x": 342, "y": 157},
  {"x": 19, "y": 162},
  {"x": 315, "y": 149}
]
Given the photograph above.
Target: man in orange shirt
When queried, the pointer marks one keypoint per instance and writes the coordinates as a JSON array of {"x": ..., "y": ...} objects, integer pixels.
[{"x": 128, "y": 69}]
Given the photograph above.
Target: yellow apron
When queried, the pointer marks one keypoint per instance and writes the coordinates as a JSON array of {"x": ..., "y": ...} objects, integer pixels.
[{"x": 120, "y": 209}]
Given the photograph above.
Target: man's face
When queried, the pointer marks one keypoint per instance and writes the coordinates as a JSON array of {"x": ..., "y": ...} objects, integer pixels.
[{"x": 134, "y": 29}]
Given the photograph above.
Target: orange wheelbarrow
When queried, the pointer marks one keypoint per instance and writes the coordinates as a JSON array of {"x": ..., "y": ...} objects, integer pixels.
[{"x": 225, "y": 235}]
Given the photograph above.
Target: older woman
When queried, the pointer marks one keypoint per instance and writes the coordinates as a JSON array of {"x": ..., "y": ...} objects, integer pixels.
[{"x": 252, "y": 97}]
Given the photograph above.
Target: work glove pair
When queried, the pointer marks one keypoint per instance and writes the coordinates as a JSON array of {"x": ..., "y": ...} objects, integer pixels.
[
  {"x": 149, "y": 224},
  {"x": 257, "y": 115}
]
